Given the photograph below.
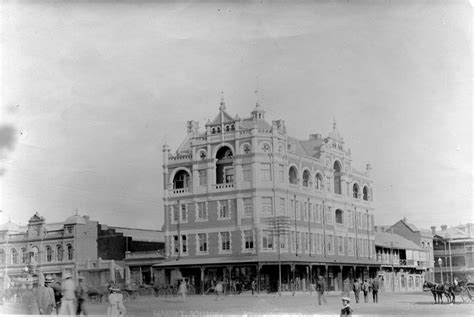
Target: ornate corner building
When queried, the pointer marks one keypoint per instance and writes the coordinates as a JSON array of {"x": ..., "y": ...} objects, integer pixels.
[{"x": 243, "y": 196}]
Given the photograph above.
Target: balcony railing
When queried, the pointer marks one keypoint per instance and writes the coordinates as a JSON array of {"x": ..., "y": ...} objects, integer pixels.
[
  {"x": 180, "y": 157},
  {"x": 181, "y": 191},
  {"x": 225, "y": 186}
]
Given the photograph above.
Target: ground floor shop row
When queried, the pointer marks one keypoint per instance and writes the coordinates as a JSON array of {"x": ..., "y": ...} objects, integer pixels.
[{"x": 265, "y": 276}]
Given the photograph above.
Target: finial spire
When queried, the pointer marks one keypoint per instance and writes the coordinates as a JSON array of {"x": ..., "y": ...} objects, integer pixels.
[
  {"x": 222, "y": 104},
  {"x": 256, "y": 95},
  {"x": 77, "y": 212},
  {"x": 334, "y": 123}
]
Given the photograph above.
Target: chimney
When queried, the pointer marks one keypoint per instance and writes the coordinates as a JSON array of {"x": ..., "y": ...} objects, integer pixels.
[
  {"x": 433, "y": 230},
  {"x": 444, "y": 227},
  {"x": 315, "y": 136}
]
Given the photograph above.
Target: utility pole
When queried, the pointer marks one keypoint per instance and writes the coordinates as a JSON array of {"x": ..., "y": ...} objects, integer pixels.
[
  {"x": 391, "y": 262},
  {"x": 279, "y": 227}
]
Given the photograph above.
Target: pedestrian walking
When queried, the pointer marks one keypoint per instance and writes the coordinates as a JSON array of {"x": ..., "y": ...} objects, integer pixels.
[
  {"x": 346, "y": 307},
  {"x": 116, "y": 307},
  {"x": 218, "y": 289},
  {"x": 320, "y": 286},
  {"x": 28, "y": 298},
  {"x": 346, "y": 288},
  {"x": 366, "y": 289},
  {"x": 46, "y": 301},
  {"x": 375, "y": 290},
  {"x": 68, "y": 289},
  {"x": 81, "y": 293},
  {"x": 253, "y": 286},
  {"x": 183, "y": 289},
  {"x": 356, "y": 288}
]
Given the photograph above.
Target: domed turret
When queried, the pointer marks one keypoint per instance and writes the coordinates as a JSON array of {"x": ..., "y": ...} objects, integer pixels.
[{"x": 75, "y": 220}]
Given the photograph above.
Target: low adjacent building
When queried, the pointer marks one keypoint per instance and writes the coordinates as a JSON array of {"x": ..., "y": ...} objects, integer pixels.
[
  {"x": 454, "y": 253},
  {"x": 402, "y": 268}
]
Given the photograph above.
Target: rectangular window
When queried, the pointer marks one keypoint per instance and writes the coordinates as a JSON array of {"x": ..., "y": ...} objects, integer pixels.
[
  {"x": 267, "y": 240},
  {"x": 306, "y": 244},
  {"x": 298, "y": 210},
  {"x": 248, "y": 207},
  {"x": 229, "y": 174},
  {"x": 202, "y": 210},
  {"x": 266, "y": 172},
  {"x": 281, "y": 173},
  {"x": 184, "y": 213},
  {"x": 349, "y": 218},
  {"x": 247, "y": 173},
  {"x": 293, "y": 241},
  {"x": 248, "y": 240},
  {"x": 175, "y": 245},
  {"x": 305, "y": 211},
  {"x": 340, "y": 245},
  {"x": 223, "y": 210},
  {"x": 283, "y": 241},
  {"x": 202, "y": 242},
  {"x": 330, "y": 244},
  {"x": 318, "y": 214},
  {"x": 184, "y": 244},
  {"x": 311, "y": 212},
  {"x": 350, "y": 246},
  {"x": 299, "y": 247},
  {"x": 317, "y": 243},
  {"x": 267, "y": 206},
  {"x": 225, "y": 241},
  {"x": 329, "y": 216},
  {"x": 282, "y": 207},
  {"x": 175, "y": 214},
  {"x": 202, "y": 177}
]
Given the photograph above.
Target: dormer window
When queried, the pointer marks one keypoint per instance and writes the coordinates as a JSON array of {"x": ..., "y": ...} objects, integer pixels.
[
  {"x": 218, "y": 129},
  {"x": 213, "y": 130},
  {"x": 68, "y": 229}
]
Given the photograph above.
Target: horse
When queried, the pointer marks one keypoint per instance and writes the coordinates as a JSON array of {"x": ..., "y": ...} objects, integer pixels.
[{"x": 438, "y": 290}]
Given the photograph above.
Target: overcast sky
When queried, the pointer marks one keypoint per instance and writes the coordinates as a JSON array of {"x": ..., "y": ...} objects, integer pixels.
[{"x": 91, "y": 91}]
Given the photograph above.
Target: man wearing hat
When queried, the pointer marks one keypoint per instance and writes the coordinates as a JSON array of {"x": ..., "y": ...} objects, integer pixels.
[
  {"x": 346, "y": 308},
  {"x": 68, "y": 289},
  {"x": 46, "y": 301},
  {"x": 81, "y": 293},
  {"x": 116, "y": 306}
]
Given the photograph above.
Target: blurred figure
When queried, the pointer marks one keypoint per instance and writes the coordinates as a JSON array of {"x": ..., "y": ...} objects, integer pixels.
[
  {"x": 375, "y": 290},
  {"x": 320, "y": 286},
  {"x": 346, "y": 288},
  {"x": 356, "y": 288},
  {"x": 366, "y": 289},
  {"x": 183, "y": 289},
  {"x": 116, "y": 306},
  {"x": 81, "y": 293},
  {"x": 45, "y": 299},
  {"x": 68, "y": 289},
  {"x": 28, "y": 299},
  {"x": 218, "y": 289}
]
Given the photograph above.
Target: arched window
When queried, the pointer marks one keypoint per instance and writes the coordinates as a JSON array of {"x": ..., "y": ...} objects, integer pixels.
[
  {"x": 49, "y": 254},
  {"x": 319, "y": 181},
  {"x": 227, "y": 128},
  {"x": 59, "y": 253},
  {"x": 70, "y": 255},
  {"x": 224, "y": 166},
  {"x": 181, "y": 180},
  {"x": 306, "y": 178},
  {"x": 337, "y": 178},
  {"x": 293, "y": 175},
  {"x": 365, "y": 193},
  {"x": 355, "y": 190},
  {"x": 2, "y": 257},
  {"x": 213, "y": 130},
  {"x": 34, "y": 254},
  {"x": 14, "y": 254},
  {"x": 339, "y": 216},
  {"x": 218, "y": 129},
  {"x": 24, "y": 255}
]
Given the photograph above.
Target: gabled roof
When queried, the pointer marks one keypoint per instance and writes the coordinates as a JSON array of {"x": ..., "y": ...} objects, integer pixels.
[
  {"x": 222, "y": 119},
  {"x": 395, "y": 241},
  {"x": 458, "y": 232}
]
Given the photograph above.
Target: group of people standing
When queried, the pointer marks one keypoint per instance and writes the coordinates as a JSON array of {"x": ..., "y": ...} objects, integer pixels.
[
  {"x": 366, "y": 287},
  {"x": 65, "y": 297}
]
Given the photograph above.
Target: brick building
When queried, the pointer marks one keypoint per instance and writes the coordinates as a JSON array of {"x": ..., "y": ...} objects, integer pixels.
[
  {"x": 243, "y": 194},
  {"x": 78, "y": 245}
]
